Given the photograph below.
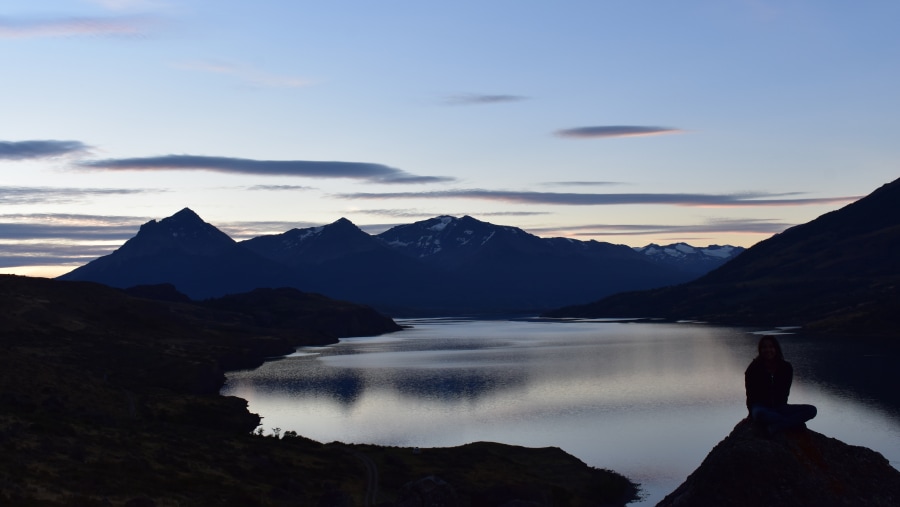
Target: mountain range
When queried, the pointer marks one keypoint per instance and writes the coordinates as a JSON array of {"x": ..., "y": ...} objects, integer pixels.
[
  {"x": 440, "y": 266},
  {"x": 838, "y": 273}
]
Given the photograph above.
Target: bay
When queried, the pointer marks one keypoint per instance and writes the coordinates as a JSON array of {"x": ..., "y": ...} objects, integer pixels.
[{"x": 648, "y": 400}]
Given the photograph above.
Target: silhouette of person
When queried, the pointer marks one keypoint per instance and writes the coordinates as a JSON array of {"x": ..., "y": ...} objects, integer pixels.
[{"x": 768, "y": 384}]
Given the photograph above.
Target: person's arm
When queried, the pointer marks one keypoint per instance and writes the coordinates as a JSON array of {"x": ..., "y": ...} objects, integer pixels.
[
  {"x": 751, "y": 386},
  {"x": 784, "y": 384},
  {"x": 747, "y": 387}
]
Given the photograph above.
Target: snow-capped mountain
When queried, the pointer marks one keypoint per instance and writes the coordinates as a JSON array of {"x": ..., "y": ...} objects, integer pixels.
[
  {"x": 839, "y": 273},
  {"x": 453, "y": 242},
  {"x": 315, "y": 245},
  {"x": 698, "y": 260},
  {"x": 444, "y": 265}
]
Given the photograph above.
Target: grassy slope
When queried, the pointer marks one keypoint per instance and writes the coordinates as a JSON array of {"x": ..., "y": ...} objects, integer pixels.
[{"x": 112, "y": 400}]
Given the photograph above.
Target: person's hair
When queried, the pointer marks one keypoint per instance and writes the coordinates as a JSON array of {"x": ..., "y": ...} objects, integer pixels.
[{"x": 771, "y": 339}]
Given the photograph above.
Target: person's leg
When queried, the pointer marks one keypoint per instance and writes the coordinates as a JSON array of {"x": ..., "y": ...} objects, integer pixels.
[
  {"x": 797, "y": 415},
  {"x": 782, "y": 418},
  {"x": 766, "y": 417}
]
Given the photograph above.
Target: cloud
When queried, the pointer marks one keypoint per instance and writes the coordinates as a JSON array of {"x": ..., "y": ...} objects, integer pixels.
[
  {"x": 279, "y": 188},
  {"x": 375, "y": 173},
  {"x": 717, "y": 226},
  {"x": 413, "y": 213},
  {"x": 584, "y": 199},
  {"x": 127, "y": 4},
  {"x": 247, "y": 74},
  {"x": 22, "y": 150},
  {"x": 61, "y": 239},
  {"x": 76, "y": 26},
  {"x": 603, "y": 132},
  {"x": 51, "y": 195},
  {"x": 584, "y": 183},
  {"x": 469, "y": 99},
  {"x": 20, "y": 231}
]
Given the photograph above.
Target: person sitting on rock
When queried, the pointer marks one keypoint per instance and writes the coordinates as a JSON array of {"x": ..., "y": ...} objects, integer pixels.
[{"x": 768, "y": 383}]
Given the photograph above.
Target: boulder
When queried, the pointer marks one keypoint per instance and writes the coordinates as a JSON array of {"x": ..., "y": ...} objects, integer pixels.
[{"x": 796, "y": 468}]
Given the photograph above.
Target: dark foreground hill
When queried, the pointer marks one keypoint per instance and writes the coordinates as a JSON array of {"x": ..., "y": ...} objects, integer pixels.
[
  {"x": 838, "y": 273},
  {"x": 112, "y": 400},
  {"x": 800, "y": 468}
]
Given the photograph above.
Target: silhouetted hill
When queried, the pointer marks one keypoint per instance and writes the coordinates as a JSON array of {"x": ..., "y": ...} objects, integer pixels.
[
  {"x": 290, "y": 310},
  {"x": 183, "y": 250},
  {"x": 495, "y": 269},
  {"x": 799, "y": 469},
  {"x": 316, "y": 245},
  {"x": 342, "y": 261},
  {"x": 837, "y": 273},
  {"x": 109, "y": 399},
  {"x": 440, "y": 266}
]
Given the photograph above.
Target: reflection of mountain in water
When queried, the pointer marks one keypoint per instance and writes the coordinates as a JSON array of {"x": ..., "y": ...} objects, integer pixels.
[
  {"x": 313, "y": 378},
  {"x": 454, "y": 384}
]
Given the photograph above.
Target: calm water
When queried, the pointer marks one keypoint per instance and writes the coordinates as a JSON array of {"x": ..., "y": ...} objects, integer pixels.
[{"x": 646, "y": 400}]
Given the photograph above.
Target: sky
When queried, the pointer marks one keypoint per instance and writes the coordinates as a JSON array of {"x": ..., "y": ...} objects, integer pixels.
[{"x": 630, "y": 122}]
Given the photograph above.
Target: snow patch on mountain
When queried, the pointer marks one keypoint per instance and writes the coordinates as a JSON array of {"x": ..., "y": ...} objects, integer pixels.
[
  {"x": 720, "y": 251},
  {"x": 444, "y": 220},
  {"x": 687, "y": 257}
]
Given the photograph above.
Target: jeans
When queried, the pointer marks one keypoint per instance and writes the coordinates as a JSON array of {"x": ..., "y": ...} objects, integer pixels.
[{"x": 782, "y": 418}]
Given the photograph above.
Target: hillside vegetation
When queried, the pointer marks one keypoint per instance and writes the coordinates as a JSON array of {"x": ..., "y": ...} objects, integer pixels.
[{"x": 111, "y": 399}]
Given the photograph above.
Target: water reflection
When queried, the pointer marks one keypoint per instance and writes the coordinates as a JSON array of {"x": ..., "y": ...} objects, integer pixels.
[{"x": 647, "y": 400}]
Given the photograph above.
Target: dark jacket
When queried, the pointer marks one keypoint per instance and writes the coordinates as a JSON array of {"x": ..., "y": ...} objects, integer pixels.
[{"x": 764, "y": 388}]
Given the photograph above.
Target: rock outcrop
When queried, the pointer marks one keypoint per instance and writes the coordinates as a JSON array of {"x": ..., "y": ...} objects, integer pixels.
[{"x": 798, "y": 468}]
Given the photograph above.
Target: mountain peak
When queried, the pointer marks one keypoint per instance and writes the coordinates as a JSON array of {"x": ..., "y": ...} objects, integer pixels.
[
  {"x": 314, "y": 245},
  {"x": 184, "y": 231},
  {"x": 186, "y": 214},
  {"x": 342, "y": 224}
]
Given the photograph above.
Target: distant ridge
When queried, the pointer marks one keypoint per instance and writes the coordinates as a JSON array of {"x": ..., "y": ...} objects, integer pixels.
[
  {"x": 838, "y": 273},
  {"x": 696, "y": 261},
  {"x": 440, "y": 266},
  {"x": 196, "y": 257}
]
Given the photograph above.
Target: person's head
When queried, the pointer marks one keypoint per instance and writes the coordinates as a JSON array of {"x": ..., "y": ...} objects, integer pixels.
[{"x": 769, "y": 349}]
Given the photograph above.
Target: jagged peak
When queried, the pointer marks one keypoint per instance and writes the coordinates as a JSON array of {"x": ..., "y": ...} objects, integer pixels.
[
  {"x": 186, "y": 216},
  {"x": 184, "y": 226}
]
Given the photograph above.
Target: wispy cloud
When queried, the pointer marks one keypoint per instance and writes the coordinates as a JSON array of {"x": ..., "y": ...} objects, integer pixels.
[
  {"x": 755, "y": 199},
  {"x": 30, "y": 239},
  {"x": 279, "y": 188},
  {"x": 717, "y": 226},
  {"x": 607, "y": 131},
  {"x": 71, "y": 232},
  {"x": 50, "y": 254},
  {"x": 128, "y": 4},
  {"x": 22, "y": 150},
  {"x": 57, "y": 195},
  {"x": 414, "y": 213},
  {"x": 375, "y": 173},
  {"x": 121, "y": 26},
  {"x": 247, "y": 74},
  {"x": 584, "y": 183},
  {"x": 471, "y": 99}
]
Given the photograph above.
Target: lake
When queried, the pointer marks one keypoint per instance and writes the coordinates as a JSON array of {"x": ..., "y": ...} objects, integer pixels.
[{"x": 648, "y": 400}]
